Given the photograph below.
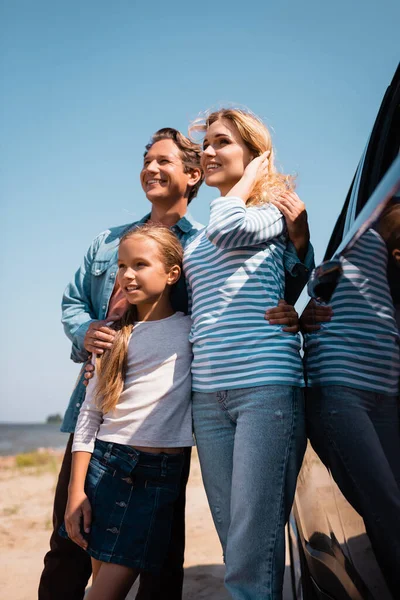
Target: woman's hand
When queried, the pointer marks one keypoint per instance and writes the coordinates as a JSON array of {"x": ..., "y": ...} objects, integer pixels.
[
  {"x": 255, "y": 170},
  {"x": 283, "y": 314},
  {"x": 294, "y": 211},
  {"x": 78, "y": 509}
]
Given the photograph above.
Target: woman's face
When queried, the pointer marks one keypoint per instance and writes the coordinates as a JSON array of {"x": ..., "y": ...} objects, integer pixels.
[{"x": 225, "y": 156}]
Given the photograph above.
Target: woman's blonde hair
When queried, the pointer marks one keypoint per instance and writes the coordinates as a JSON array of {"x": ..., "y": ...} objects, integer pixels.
[
  {"x": 257, "y": 138},
  {"x": 111, "y": 365}
]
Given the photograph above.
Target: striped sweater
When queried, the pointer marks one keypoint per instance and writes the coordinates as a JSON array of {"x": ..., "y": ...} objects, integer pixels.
[
  {"x": 359, "y": 347},
  {"x": 234, "y": 270}
]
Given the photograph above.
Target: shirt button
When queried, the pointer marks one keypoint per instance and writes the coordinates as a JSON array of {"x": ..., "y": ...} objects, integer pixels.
[
  {"x": 113, "y": 530},
  {"x": 78, "y": 404},
  {"x": 97, "y": 271},
  {"x": 104, "y": 307},
  {"x": 112, "y": 275}
]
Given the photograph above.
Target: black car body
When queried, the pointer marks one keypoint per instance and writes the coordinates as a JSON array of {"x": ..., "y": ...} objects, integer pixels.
[{"x": 331, "y": 554}]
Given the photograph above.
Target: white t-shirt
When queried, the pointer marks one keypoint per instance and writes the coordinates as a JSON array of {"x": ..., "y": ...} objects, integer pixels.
[{"x": 154, "y": 409}]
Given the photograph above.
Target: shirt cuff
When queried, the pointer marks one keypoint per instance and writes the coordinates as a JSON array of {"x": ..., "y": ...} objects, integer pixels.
[
  {"x": 78, "y": 353},
  {"x": 83, "y": 447},
  {"x": 292, "y": 262}
]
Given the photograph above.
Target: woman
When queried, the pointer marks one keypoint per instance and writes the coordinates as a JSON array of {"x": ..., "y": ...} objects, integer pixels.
[{"x": 247, "y": 373}]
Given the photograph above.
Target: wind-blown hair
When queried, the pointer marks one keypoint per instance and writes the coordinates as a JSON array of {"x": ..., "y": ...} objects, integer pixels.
[
  {"x": 111, "y": 365},
  {"x": 257, "y": 138},
  {"x": 190, "y": 153}
]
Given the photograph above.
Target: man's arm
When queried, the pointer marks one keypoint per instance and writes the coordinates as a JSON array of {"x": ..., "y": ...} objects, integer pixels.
[
  {"x": 299, "y": 255},
  {"x": 297, "y": 272},
  {"x": 81, "y": 326},
  {"x": 77, "y": 308}
]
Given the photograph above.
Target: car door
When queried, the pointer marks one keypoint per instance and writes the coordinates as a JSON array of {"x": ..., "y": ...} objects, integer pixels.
[{"x": 331, "y": 553}]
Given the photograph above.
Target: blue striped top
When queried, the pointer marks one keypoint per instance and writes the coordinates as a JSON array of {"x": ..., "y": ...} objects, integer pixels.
[
  {"x": 235, "y": 272},
  {"x": 359, "y": 347}
]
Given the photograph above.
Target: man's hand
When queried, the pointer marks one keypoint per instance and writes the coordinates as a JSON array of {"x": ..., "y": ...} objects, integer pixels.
[
  {"x": 283, "y": 314},
  {"x": 313, "y": 315},
  {"x": 99, "y": 337},
  {"x": 89, "y": 372},
  {"x": 78, "y": 508},
  {"x": 294, "y": 211}
]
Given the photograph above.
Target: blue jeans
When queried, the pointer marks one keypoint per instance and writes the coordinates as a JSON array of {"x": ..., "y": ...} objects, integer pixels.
[
  {"x": 251, "y": 444},
  {"x": 356, "y": 434}
]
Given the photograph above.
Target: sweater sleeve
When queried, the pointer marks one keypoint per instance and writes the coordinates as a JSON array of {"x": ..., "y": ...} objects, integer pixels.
[
  {"x": 89, "y": 421},
  {"x": 233, "y": 224}
]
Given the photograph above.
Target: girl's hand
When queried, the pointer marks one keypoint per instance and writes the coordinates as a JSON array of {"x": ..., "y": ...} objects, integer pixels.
[
  {"x": 78, "y": 508},
  {"x": 255, "y": 170},
  {"x": 283, "y": 314},
  {"x": 294, "y": 211}
]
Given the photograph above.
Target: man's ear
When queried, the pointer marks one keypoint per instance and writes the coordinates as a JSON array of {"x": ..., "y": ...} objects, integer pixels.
[
  {"x": 396, "y": 257},
  {"x": 195, "y": 175},
  {"x": 174, "y": 274}
]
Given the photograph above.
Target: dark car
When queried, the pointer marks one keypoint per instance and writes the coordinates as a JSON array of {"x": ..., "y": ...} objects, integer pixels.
[{"x": 332, "y": 556}]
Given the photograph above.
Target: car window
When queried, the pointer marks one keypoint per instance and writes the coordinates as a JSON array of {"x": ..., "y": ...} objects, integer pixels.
[{"x": 381, "y": 149}]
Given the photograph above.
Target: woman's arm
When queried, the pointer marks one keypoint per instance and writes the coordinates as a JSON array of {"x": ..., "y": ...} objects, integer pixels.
[{"x": 233, "y": 225}]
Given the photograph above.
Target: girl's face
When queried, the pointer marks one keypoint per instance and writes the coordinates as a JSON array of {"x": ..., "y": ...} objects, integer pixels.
[
  {"x": 225, "y": 156},
  {"x": 141, "y": 272}
]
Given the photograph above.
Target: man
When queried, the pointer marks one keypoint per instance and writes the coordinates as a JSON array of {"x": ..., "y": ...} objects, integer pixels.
[{"x": 170, "y": 177}]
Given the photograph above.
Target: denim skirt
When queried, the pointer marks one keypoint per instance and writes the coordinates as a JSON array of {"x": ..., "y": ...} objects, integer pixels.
[{"x": 132, "y": 495}]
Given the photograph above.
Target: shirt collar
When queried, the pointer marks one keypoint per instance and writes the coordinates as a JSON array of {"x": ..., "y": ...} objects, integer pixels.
[{"x": 185, "y": 223}]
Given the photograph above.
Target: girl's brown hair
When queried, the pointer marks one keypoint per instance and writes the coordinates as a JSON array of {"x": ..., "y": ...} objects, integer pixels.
[
  {"x": 257, "y": 138},
  {"x": 111, "y": 365}
]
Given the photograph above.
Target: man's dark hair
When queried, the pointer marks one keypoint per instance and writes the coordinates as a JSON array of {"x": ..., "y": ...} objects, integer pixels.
[{"x": 190, "y": 153}]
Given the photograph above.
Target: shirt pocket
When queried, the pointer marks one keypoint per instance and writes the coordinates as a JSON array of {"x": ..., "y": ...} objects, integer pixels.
[{"x": 99, "y": 267}]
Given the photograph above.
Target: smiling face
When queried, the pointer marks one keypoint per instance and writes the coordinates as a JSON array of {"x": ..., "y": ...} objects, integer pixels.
[
  {"x": 163, "y": 176},
  {"x": 142, "y": 274},
  {"x": 225, "y": 155}
]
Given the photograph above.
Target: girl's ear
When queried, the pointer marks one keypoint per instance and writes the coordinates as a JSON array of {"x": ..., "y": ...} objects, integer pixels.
[{"x": 174, "y": 275}]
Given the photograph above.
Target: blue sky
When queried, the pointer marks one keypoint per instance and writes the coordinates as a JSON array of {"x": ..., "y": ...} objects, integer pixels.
[{"x": 83, "y": 86}]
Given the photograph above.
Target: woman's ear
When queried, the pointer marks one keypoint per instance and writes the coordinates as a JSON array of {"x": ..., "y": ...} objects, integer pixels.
[{"x": 174, "y": 274}]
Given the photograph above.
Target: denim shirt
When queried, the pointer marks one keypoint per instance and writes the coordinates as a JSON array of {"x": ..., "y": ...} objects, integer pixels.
[{"x": 87, "y": 296}]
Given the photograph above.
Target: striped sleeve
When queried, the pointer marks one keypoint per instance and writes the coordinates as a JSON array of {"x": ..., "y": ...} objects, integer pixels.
[{"x": 234, "y": 225}]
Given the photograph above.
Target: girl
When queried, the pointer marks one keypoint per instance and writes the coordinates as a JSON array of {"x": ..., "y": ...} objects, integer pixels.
[
  {"x": 247, "y": 373},
  {"x": 134, "y": 423}
]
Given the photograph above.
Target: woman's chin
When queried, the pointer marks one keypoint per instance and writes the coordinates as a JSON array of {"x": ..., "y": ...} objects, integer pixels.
[{"x": 213, "y": 181}]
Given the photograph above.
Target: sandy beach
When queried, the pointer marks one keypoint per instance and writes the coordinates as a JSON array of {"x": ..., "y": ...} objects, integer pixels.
[{"x": 26, "y": 495}]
